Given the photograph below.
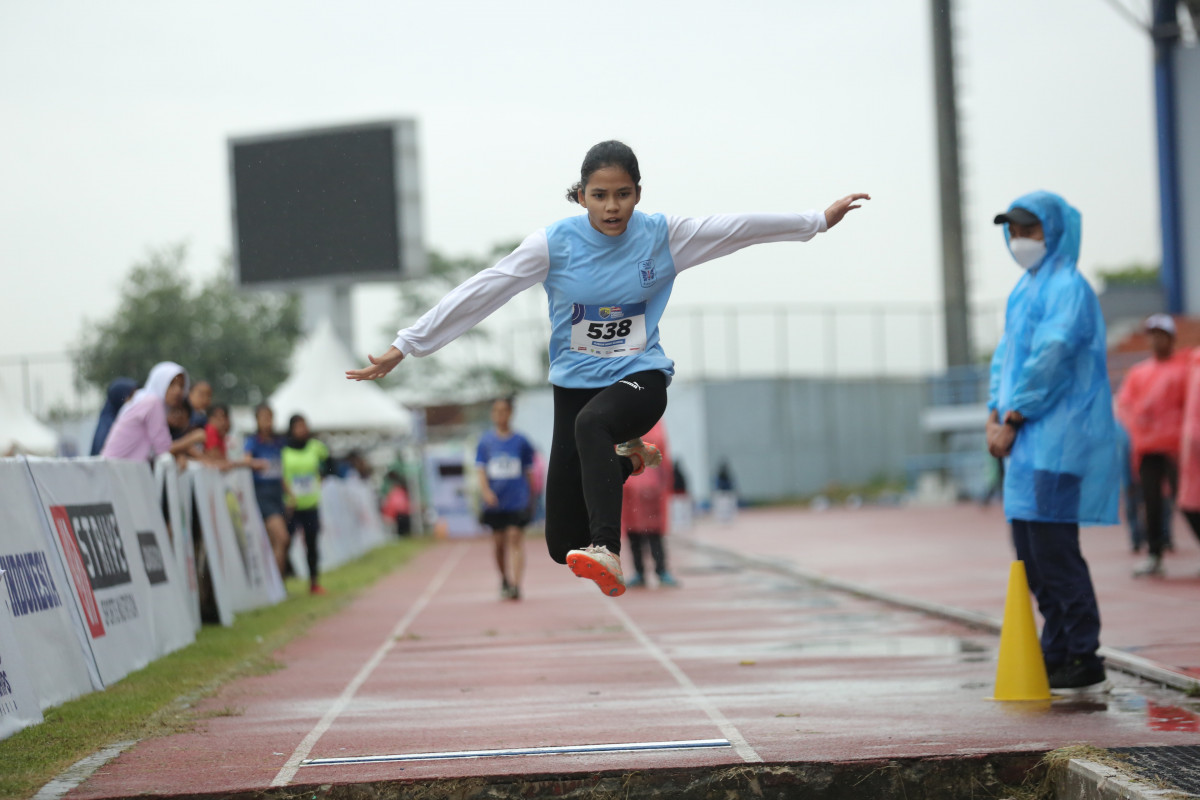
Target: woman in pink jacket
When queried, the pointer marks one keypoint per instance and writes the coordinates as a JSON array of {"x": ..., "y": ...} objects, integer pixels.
[
  {"x": 1189, "y": 452},
  {"x": 645, "y": 513}
]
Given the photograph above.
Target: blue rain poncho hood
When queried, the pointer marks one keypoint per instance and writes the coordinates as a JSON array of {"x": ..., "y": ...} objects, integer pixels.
[
  {"x": 119, "y": 391},
  {"x": 1051, "y": 367}
]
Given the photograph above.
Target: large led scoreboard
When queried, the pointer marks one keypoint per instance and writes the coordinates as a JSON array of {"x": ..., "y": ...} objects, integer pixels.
[{"x": 331, "y": 206}]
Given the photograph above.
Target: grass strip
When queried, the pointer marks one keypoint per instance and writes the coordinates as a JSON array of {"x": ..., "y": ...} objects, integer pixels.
[{"x": 158, "y": 699}]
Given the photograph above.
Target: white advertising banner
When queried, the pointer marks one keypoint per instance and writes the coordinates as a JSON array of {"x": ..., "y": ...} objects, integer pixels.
[
  {"x": 37, "y": 596},
  {"x": 139, "y": 507},
  {"x": 103, "y": 559},
  {"x": 197, "y": 484},
  {"x": 240, "y": 577},
  {"x": 243, "y": 510},
  {"x": 176, "y": 493},
  {"x": 19, "y": 706}
]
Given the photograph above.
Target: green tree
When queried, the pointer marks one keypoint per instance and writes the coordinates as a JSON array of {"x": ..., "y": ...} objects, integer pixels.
[
  {"x": 1132, "y": 274},
  {"x": 439, "y": 378},
  {"x": 239, "y": 341}
]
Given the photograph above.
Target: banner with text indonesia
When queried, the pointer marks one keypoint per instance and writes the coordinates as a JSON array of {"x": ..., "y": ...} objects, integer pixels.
[
  {"x": 38, "y": 596},
  {"x": 103, "y": 560},
  {"x": 18, "y": 702}
]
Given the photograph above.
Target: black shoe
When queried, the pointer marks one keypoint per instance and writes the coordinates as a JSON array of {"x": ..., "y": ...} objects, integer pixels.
[
  {"x": 505, "y": 589},
  {"x": 1080, "y": 675}
]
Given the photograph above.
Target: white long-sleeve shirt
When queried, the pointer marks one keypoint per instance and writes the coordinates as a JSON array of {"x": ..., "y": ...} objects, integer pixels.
[{"x": 584, "y": 270}]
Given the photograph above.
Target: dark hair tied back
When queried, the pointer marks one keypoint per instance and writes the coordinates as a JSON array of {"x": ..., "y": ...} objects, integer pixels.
[{"x": 606, "y": 154}]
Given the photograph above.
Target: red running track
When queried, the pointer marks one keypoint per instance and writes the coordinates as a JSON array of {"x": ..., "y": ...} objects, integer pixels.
[{"x": 430, "y": 660}]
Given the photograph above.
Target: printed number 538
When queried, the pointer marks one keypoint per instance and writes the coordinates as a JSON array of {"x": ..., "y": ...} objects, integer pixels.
[{"x": 608, "y": 330}]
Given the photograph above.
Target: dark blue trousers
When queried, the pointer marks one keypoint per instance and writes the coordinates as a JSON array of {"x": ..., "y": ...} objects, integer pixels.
[{"x": 1059, "y": 579}]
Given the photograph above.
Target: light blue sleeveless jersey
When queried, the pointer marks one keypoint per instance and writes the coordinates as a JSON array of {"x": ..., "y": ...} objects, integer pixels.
[{"x": 607, "y": 295}]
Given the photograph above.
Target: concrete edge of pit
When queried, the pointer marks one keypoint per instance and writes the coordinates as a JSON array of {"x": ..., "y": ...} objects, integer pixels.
[
  {"x": 992, "y": 776},
  {"x": 1089, "y": 780},
  {"x": 1118, "y": 659}
]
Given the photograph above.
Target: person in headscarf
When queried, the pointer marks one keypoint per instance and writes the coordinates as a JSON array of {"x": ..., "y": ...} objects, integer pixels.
[
  {"x": 119, "y": 392},
  {"x": 1051, "y": 416},
  {"x": 140, "y": 431}
]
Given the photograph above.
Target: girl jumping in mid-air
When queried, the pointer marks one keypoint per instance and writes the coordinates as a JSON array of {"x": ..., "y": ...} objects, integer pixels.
[{"x": 608, "y": 275}]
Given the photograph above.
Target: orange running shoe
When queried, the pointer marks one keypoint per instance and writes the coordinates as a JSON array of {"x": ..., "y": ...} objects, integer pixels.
[
  {"x": 642, "y": 454},
  {"x": 598, "y": 564}
]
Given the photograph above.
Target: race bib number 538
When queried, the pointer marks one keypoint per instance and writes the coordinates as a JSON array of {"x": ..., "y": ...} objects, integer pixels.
[{"x": 607, "y": 331}]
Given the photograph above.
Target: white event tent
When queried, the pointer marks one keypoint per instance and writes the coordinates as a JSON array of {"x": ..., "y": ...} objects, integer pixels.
[
  {"x": 20, "y": 431},
  {"x": 318, "y": 389}
]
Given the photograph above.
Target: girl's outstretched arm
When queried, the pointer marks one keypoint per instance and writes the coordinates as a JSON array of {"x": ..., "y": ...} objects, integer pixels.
[
  {"x": 699, "y": 239},
  {"x": 464, "y": 307}
]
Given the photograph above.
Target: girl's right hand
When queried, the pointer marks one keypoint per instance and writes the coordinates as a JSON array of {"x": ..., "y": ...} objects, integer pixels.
[
  {"x": 379, "y": 366},
  {"x": 840, "y": 208}
]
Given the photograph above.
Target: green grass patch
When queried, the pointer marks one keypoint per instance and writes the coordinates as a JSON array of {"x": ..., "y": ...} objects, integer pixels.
[{"x": 159, "y": 699}]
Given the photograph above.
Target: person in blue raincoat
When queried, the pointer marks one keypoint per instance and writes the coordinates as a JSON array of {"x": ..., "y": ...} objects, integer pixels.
[{"x": 1051, "y": 417}]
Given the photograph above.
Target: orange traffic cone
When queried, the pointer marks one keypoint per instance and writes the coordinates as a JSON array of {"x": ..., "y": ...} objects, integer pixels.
[{"x": 1021, "y": 673}]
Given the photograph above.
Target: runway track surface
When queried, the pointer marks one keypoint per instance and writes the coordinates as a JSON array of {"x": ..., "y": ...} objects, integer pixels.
[{"x": 431, "y": 663}]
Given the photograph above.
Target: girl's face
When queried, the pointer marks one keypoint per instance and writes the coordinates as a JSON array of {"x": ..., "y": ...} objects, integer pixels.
[
  {"x": 265, "y": 419},
  {"x": 609, "y": 198},
  {"x": 174, "y": 396},
  {"x": 300, "y": 429}
]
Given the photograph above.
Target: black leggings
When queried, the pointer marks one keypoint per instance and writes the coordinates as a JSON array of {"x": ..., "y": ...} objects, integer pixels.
[
  {"x": 309, "y": 521},
  {"x": 1156, "y": 469},
  {"x": 585, "y": 475}
]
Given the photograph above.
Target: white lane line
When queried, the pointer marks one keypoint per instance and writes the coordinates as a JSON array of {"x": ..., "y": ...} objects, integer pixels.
[
  {"x": 740, "y": 745},
  {"x": 555, "y": 750},
  {"x": 305, "y": 747}
]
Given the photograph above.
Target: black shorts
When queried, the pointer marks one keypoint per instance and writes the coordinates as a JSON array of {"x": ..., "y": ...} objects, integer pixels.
[{"x": 501, "y": 520}]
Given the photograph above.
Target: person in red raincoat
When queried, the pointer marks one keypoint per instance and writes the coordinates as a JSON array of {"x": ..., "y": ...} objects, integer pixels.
[
  {"x": 645, "y": 513},
  {"x": 1189, "y": 451},
  {"x": 1150, "y": 405}
]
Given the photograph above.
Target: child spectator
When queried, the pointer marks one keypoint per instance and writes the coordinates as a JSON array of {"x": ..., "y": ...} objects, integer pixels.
[
  {"x": 215, "y": 432},
  {"x": 645, "y": 514}
]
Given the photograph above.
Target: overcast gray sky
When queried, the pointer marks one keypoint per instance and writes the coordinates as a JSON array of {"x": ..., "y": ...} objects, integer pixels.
[{"x": 116, "y": 116}]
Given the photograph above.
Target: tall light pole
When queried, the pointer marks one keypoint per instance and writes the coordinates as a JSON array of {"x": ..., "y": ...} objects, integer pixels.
[{"x": 954, "y": 266}]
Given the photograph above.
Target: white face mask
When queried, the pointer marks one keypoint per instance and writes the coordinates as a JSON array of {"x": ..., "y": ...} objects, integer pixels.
[{"x": 1027, "y": 252}]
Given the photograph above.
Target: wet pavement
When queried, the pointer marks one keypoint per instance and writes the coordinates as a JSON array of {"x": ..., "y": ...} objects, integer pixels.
[
  {"x": 431, "y": 661},
  {"x": 959, "y": 557}
]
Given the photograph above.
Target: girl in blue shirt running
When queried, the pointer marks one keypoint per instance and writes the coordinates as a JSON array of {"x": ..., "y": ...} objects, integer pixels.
[{"x": 608, "y": 275}]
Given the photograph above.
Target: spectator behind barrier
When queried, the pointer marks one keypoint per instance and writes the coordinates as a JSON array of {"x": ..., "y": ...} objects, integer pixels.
[
  {"x": 201, "y": 399},
  {"x": 140, "y": 430},
  {"x": 119, "y": 392},
  {"x": 215, "y": 431}
]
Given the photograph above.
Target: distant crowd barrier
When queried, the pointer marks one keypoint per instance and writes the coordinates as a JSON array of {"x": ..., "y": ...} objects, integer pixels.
[{"x": 108, "y": 565}]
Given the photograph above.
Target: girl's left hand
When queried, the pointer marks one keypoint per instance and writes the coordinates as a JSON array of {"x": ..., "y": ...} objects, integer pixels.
[
  {"x": 379, "y": 366},
  {"x": 839, "y": 209}
]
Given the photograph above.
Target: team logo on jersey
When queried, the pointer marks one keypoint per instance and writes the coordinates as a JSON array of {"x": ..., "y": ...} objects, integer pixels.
[
  {"x": 611, "y": 312},
  {"x": 646, "y": 271}
]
